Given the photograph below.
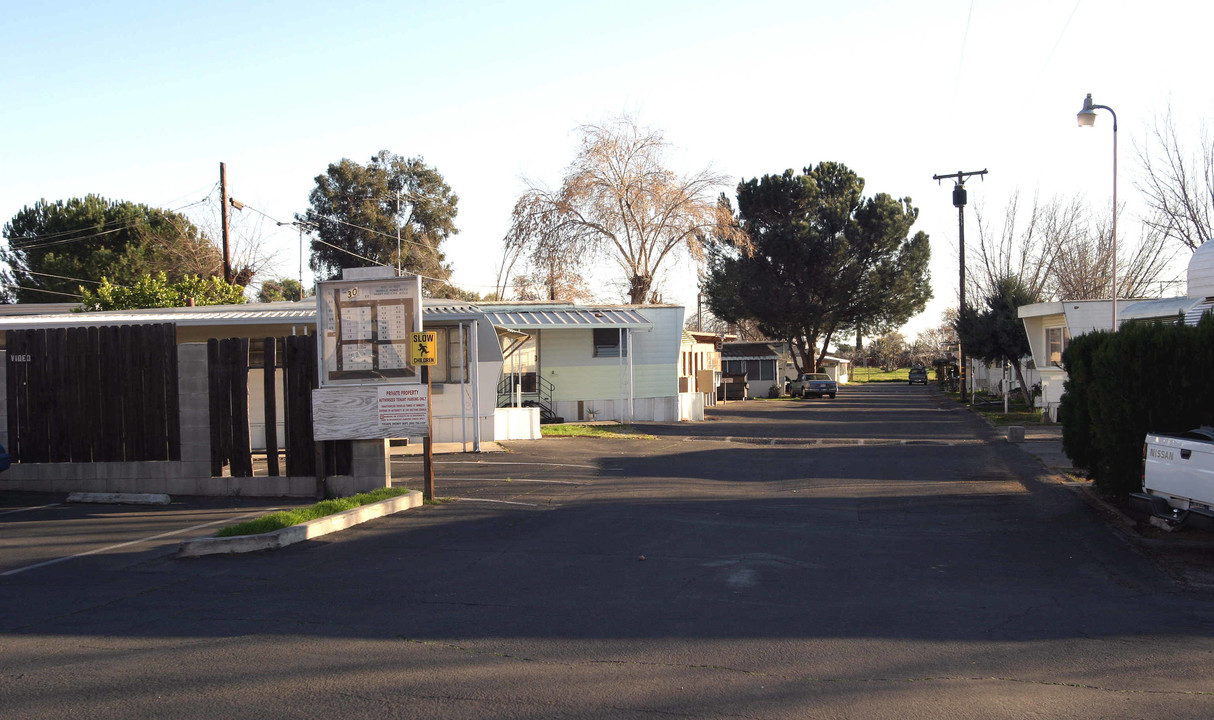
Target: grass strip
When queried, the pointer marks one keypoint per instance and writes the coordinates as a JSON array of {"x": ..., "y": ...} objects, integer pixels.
[
  {"x": 287, "y": 518},
  {"x": 604, "y": 431}
]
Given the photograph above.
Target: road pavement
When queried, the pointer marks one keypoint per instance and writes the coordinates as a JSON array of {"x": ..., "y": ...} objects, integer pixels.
[{"x": 881, "y": 555}]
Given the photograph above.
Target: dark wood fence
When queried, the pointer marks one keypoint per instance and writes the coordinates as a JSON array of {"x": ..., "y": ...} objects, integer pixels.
[
  {"x": 106, "y": 394},
  {"x": 229, "y": 365}
]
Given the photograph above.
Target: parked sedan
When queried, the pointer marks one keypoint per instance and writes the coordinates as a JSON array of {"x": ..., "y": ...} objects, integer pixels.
[{"x": 820, "y": 384}]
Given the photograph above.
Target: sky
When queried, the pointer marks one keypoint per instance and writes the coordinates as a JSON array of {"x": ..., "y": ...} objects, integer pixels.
[{"x": 142, "y": 101}]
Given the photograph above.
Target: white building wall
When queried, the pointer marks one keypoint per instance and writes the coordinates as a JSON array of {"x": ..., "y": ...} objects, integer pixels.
[{"x": 567, "y": 361}]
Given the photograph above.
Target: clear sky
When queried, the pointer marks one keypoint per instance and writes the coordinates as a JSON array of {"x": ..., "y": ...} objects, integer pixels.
[{"x": 141, "y": 101}]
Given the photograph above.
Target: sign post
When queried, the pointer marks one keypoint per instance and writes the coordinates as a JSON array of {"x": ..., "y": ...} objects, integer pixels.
[{"x": 423, "y": 351}]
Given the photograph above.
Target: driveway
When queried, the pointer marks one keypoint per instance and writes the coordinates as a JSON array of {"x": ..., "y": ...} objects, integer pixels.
[{"x": 890, "y": 559}]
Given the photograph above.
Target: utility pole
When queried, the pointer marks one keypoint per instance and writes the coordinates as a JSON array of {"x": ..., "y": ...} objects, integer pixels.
[
  {"x": 223, "y": 204},
  {"x": 959, "y": 198}
]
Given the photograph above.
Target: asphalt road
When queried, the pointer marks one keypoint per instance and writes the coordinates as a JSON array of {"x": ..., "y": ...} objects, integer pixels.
[{"x": 881, "y": 555}]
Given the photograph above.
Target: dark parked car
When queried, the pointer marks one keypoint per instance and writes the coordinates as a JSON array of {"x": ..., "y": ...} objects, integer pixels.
[
  {"x": 819, "y": 384},
  {"x": 918, "y": 375}
]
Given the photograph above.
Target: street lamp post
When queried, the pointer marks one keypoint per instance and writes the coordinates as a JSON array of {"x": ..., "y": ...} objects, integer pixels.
[{"x": 1087, "y": 118}]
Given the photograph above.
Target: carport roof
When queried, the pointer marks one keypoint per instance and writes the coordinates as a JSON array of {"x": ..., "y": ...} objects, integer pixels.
[
  {"x": 566, "y": 318},
  {"x": 276, "y": 313}
]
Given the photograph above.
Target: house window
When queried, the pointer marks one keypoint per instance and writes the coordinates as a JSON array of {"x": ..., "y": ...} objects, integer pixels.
[
  {"x": 735, "y": 367},
  {"x": 767, "y": 369},
  {"x": 607, "y": 342},
  {"x": 1056, "y": 340},
  {"x": 450, "y": 361}
]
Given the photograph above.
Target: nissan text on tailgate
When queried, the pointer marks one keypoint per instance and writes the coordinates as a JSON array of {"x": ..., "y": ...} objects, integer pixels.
[{"x": 1178, "y": 477}]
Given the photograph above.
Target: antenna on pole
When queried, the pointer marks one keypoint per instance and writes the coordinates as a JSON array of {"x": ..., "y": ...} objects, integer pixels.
[{"x": 959, "y": 198}]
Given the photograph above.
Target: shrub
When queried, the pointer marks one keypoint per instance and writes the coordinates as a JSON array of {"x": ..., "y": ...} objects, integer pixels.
[{"x": 1120, "y": 386}]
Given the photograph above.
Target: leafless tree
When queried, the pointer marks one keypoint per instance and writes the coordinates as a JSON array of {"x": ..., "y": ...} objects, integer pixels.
[
  {"x": 1178, "y": 186},
  {"x": 248, "y": 254},
  {"x": 619, "y": 200},
  {"x": 1059, "y": 250},
  {"x": 932, "y": 343},
  {"x": 1025, "y": 248},
  {"x": 747, "y": 330},
  {"x": 1083, "y": 270}
]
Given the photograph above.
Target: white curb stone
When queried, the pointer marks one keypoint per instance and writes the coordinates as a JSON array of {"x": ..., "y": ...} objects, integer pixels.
[{"x": 298, "y": 533}]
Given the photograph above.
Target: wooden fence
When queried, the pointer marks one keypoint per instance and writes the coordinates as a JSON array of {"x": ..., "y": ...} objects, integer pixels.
[
  {"x": 228, "y": 374},
  {"x": 106, "y": 394}
]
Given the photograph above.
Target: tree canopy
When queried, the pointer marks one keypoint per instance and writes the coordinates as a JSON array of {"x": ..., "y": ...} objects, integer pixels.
[
  {"x": 357, "y": 210},
  {"x": 818, "y": 257},
  {"x": 277, "y": 290},
  {"x": 54, "y": 246},
  {"x": 619, "y": 199},
  {"x": 994, "y": 332},
  {"x": 157, "y": 291}
]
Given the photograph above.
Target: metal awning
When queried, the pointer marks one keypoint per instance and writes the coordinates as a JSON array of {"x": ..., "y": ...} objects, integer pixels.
[
  {"x": 276, "y": 313},
  {"x": 569, "y": 319}
]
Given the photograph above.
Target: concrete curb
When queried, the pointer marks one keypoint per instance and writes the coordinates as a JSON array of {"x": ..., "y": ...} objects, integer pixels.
[
  {"x": 298, "y": 533},
  {"x": 119, "y": 498}
]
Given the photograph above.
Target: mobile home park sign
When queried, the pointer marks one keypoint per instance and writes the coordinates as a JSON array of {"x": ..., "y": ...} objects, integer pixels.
[{"x": 369, "y": 388}]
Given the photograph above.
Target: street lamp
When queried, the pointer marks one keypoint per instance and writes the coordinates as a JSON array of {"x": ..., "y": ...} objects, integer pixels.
[{"x": 1087, "y": 118}]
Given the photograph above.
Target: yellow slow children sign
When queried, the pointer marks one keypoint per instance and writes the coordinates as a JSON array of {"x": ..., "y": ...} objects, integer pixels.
[{"x": 423, "y": 348}]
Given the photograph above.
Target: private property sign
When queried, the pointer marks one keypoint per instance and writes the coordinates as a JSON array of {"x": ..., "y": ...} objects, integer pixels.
[{"x": 402, "y": 405}]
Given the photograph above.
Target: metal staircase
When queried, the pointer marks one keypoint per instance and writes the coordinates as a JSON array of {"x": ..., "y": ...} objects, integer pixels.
[{"x": 536, "y": 392}]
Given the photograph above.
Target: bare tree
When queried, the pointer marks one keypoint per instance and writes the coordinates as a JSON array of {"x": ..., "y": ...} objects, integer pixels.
[
  {"x": 1084, "y": 270},
  {"x": 618, "y": 199},
  {"x": 1056, "y": 250},
  {"x": 1178, "y": 187},
  {"x": 1025, "y": 248}
]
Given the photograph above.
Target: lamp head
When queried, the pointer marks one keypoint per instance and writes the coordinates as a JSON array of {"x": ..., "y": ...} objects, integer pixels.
[{"x": 1087, "y": 116}]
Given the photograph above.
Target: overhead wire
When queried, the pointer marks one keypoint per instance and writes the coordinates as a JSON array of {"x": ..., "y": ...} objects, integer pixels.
[{"x": 1061, "y": 34}]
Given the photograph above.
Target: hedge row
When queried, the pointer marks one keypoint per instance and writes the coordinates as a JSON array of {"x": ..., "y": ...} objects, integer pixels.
[{"x": 1120, "y": 386}]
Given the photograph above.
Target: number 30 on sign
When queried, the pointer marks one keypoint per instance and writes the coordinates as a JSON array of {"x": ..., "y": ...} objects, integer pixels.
[{"x": 423, "y": 348}]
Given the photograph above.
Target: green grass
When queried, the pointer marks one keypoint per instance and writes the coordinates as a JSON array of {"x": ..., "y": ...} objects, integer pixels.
[
  {"x": 864, "y": 375},
  {"x": 287, "y": 518},
  {"x": 604, "y": 431},
  {"x": 1018, "y": 414}
]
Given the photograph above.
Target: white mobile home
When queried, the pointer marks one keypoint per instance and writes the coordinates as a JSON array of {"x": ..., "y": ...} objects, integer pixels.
[{"x": 596, "y": 362}]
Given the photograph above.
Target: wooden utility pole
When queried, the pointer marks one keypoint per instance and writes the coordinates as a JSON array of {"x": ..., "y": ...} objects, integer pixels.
[
  {"x": 223, "y": 204},
  {"x": 427, "y": 442},
  {"x": 959, "y": 198}
]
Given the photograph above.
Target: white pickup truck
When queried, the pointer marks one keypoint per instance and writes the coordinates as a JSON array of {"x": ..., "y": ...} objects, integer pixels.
[{"x": 1178, "y": 478}]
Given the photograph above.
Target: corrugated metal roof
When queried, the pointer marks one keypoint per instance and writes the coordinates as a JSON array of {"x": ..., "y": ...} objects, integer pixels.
[
  {"x": 278, "y": 313},
  {"x": 569, "y": 318},
  {"x": 1157, "y": 309},
  {"x": 1193, "y": 316}
]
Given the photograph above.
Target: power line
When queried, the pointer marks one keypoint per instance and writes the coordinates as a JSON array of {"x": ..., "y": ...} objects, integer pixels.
[
  {"x": 44, "y": 290},
  {"x": 1057, "y": 42}
]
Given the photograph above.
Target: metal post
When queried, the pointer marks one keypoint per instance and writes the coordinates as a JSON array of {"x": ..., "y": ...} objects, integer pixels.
[
  {"x": 428, "y": 443},
  {"x": 463, "y": 389},
  {"x": 476, "y": 386},
  {"x": 631, "y": 409},
  {"x": 1114, "y": 219}
]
